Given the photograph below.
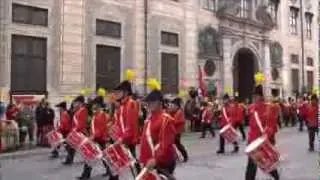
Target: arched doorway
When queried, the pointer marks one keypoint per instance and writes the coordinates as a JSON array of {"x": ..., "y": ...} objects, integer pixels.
[{"x": 244, "y": 67}]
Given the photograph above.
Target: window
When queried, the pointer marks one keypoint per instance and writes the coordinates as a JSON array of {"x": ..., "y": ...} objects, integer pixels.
[
  {"x": 293, "y": 20},
  {"x": 245, "y": 9},
  {"x": 273, "y": 10},
  {"x": 28, "y": 67},
  {"x": 169, "y": 39},
  {"x": 309, "y": 25},
  {"x": 295, "y": 80},
  {"x": 309, "y": 61},
  {"x": 310, "y": 80},
  {"x": 294, "y": 59},
  {"x": 170, "y": 73},
  {"x": 208, "y": 4},
  {"x": 108, "y": 28},
  {"x": 108, "y": 66},
  {"x": 29, "y": 15}
]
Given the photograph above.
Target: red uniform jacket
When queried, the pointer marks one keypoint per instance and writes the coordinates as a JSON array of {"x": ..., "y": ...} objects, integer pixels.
[
  {"x": 11, "y": 114},
  {"x": 207, "y": 116},
  {"x": 268, "y": 119},
  {"x": 230, "y": 113},
  {"x": 179, "y": 121},
  {"x": 127, "y": 121},
  {"x": 80, "y": 120},
  {"x": 99, "y": 127},
  {"x": 292, "y": 109},
  {"x": 303, "y": 109},
  {"x": 158, "y": 139},
  {"x": 311, "y": 115},
  {"x": 238, "y": 113},
  {"x": 65, "y": 124}
]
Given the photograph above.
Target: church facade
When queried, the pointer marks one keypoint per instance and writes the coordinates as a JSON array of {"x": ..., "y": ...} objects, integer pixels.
[{"x": 58, "y": 47}]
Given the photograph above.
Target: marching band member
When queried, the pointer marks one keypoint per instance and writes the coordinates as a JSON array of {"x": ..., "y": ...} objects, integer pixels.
[
  {"x": 266, "y": 114},
  {"x": 207, "y": 119},
  {"x": 158, "y": 137},
  {"x": 227, "y": 117},
  {"x": 239, "y": 110},
  {"x": 312, "y": 121},
  {"x": 127, "y": 118},
  {"x": 64, "y": 126},
  {"x": 177, "y": 113},
  {"x": 302, "y": 112},
  {"x": 79, "y": 124},
  {"x": 98, "y": 134}
]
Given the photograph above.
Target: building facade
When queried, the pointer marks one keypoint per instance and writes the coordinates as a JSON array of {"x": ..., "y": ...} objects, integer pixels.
[{"x": 61, "y": 46}]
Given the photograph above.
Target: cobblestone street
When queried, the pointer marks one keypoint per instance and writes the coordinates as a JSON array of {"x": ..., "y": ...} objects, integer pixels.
[{"x": 297, "y": 163}]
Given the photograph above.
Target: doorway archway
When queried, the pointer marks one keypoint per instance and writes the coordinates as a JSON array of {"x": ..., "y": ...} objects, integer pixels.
[{"x": 245, "y": 65}]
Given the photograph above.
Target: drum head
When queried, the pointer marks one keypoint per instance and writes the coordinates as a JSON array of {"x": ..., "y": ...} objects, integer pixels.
[{"x": 255, "y": 144}]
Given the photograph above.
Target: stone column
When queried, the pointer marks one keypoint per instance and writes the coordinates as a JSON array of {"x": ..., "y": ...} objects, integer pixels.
[
  {"x": 227, "y": 64},
  {"x": 266, "y": 69},
  {"x": 72, "y": 46},
  {"x": 4, "y": 46},
  {"x": 189, "y": 70},
  {"x": 139, "y": 45}
]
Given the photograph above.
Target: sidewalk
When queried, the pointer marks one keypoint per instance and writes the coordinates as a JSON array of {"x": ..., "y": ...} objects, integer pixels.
[{"x": 25, "y": 153}]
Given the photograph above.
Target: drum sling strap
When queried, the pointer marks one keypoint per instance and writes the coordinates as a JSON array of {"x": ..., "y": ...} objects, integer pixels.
[
  {"x": 258, "y": 121},
  {"x": 225, "y": 115}
]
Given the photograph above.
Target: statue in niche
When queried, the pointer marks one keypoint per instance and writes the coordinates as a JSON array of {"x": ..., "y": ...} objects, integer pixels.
[
  {"x": 209, "y": 43},
  {"x": 276, "y": 53}
]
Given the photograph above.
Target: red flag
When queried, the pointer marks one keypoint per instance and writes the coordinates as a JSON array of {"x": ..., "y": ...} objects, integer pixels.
[{"x": 202, "y": 84}]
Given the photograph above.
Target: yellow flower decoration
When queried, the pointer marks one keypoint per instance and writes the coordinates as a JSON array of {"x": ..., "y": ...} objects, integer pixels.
[
  {"x": 259, "y": 78},
  {"x": 130, "y": 75},
  {"x": 315, "y": 90},
  {"x": 228, "y": 90},
  {"x": 68, "y": 98},
  {"x": 183, "y": 93},
  {"x": 153, "y": 84},
  {"x": 102, "y": 92}
]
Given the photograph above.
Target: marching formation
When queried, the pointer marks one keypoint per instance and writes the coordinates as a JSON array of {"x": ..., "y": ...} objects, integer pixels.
[{"x": 144, "y": 135}]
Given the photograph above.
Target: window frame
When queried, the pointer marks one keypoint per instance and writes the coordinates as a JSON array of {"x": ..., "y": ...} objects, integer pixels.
[
  {"x": 294, "y": 57},
  {"x": 310, "y": 61},
  {"x": 30, "y": 14},
  {"x": 308, "y": 19},
  {"x": 166, "y": 38},
  {"x": 33, "y": 57},
  {"x": 105, "y": 24},
  {"x": 205, "y": 4},
  {"x": 293, "y": 20},
  {"x": 245, "y": 9}
]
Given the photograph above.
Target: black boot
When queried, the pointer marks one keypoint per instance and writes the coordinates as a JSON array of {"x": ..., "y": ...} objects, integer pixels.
[
  {"x": 236, "y": 149},
  {"x": 54, "y": 154},
  {"x": 86, "y": 174}
]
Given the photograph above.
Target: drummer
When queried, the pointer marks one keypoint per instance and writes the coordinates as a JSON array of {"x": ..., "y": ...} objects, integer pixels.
[
  {"x": 312, "y": 121},
  {"x": 175, "y": 110},
  {"x": 64, "y": 126},
  {"x": 98, "y": 134},
  {"x": 225, "y": 119},
  {"x": 79, "y": 124},
  {"x": 127, "y": 118},
  {"x": 267, "y": 115},
  {"x": 158, "y": 137}
]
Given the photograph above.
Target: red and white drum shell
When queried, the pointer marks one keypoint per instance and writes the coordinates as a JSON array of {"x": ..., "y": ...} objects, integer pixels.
[
  {"x": 145, "y": 174},
  {"x": 90, "y": 151},
  {"x": 229, "y": 133},
  {"x": 264, "y": 154},
  {"x": 118, "y": 157},
  {"x": 55, "y": 138},
  {"x": 75, "y": 139}
]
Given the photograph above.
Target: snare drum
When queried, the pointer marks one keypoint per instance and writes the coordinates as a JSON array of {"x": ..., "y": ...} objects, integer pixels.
[
  {"x": 229, "y": 133},
  {"x": 264, "y": 154},
  {"x": 75, "y": 139},
  {"x": 90, "y": 151},
  {"x": 55, "y": 138},
  {"x": 118, "y": 157}
]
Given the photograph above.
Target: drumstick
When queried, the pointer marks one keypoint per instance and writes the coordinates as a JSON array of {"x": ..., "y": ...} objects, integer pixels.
[{"x": 141, "y": 174}]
